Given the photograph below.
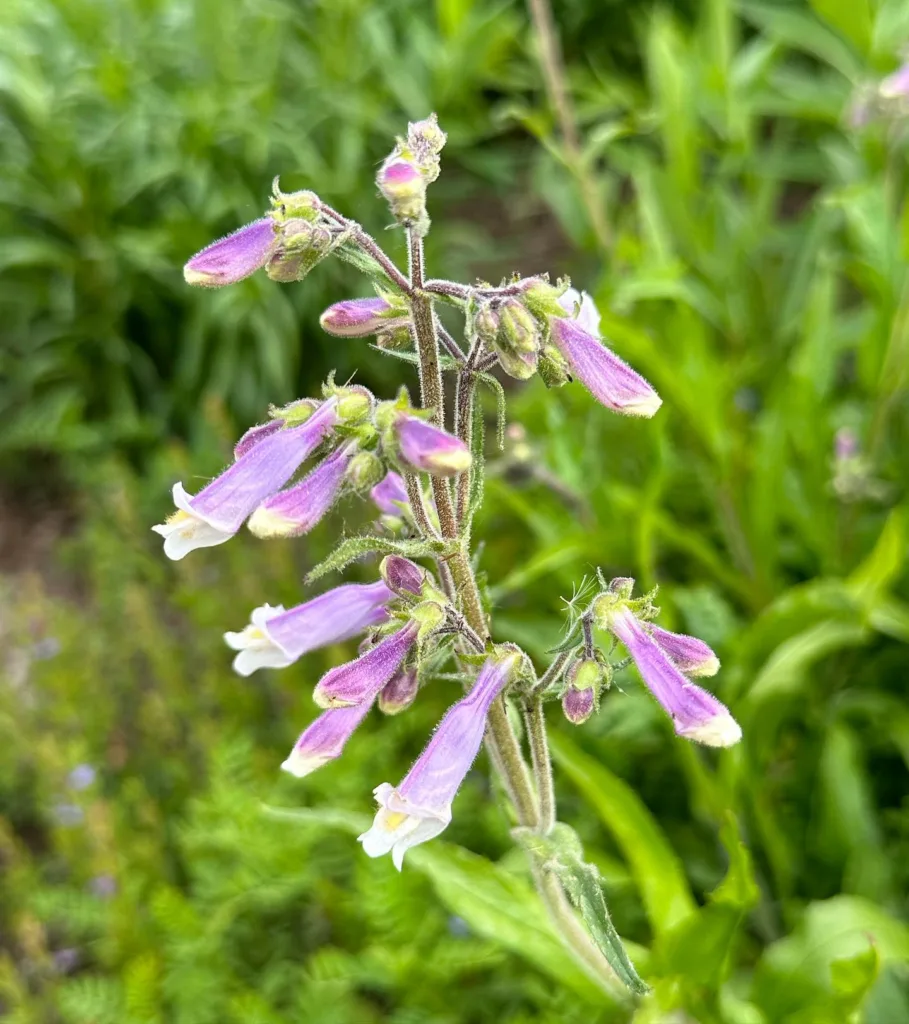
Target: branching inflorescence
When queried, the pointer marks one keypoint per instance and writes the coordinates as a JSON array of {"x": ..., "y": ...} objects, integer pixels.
[{"x": 423, "y": 468}]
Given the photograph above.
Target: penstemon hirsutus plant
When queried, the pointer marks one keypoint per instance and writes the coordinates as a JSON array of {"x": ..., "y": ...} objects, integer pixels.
[{"x": 427, "y": 482}]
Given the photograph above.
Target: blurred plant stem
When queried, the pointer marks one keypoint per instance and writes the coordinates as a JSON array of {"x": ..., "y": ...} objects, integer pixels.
[{"x": 553, "y": 68}]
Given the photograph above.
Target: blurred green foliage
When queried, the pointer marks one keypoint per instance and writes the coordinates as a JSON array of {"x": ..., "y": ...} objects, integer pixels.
[{"x": 755, "y": 271}]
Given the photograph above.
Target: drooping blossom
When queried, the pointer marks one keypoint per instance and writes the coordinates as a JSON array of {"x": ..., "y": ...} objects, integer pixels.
[
  {"x": 580, "y": 698},
  {"x": 430, "y": 449},
  {"x": 276, "y": 638},
  {"x": 296, "y": 510},
  {"x": 358, "y": 318},
  {"x": 360, "y": 680},
  {"x": 324, "y": 739},
  {"x": 695, "y": 713},
  {"x": 611, "y": 382},
  {"x": 232, "y": 258},
  {"x": 215, "y": 514},
  {"x": 420, "y": 808}
]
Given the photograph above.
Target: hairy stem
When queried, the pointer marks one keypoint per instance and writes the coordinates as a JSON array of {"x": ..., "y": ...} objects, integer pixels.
[
  {"x": 418, "y": 505},
  {"x": 459, "y": 580},
  {"x": 542, "y": 767}
]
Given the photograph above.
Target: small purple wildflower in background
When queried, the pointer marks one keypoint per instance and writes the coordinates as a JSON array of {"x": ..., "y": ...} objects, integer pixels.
[
  {"x": 81, "y": 777},
  {"x": 68, "y": 815},
  {"x": 103, "y": 886}
]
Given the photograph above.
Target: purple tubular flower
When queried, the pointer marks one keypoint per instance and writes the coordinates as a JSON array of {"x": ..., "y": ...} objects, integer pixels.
[
  {"x": 232, "y": 258},
  {"x": 276, "y": 638},
  {"x": 295, "y": 511},
  {"x": 420, "y": 808},
  {"x": 610, "y": 381},
  {"x": 390, "y": 495},
  {"x": 324, "y": 740},
  {"x": 687, "y": 653},
  {"x": 215, "y": 514},
  {"x": 400, "y": 692},
  {"x": 696, "y": 714},
  {"x": 254, "y": 435},
  {"x": 357, "y": 318},
  {"x": 582, "y": 308},
  {"x": 430, "y": 449},
  {"x": 360, "y": 680}
]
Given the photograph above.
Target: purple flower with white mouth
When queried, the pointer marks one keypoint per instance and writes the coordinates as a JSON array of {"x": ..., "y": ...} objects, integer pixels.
[
  {"x": 324, "y": 740},
  {"x": 390, "y": 495},
  {"x": 232, "y": 258},
  {"x": 430, "y": 449},
  {"x": 420, "y": 808},
  {"x": 276, "y": 638},
  {"x": 696, "y": 714},
  {"x": 297, "y": 510},
  {"x": 215, "y": 514},
  {"x": 360, "y": 680},
  {"x": 611, "y": 382},
  {"x": 358, "y": 318},
  {"x": 687, "y": 653}
]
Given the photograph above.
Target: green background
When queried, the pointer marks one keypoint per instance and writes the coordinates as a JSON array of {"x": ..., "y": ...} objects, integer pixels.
[{"x": 748, "y": 251}]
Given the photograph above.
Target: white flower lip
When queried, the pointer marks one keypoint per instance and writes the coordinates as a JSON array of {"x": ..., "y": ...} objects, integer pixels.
[
  {"x": 257, "y": 648},
  {"x": 188, "y": 529}
]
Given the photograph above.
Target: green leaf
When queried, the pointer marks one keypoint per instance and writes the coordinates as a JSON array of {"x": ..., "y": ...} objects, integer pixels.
[
  {"x": 493, "y": 902},
  {"x": 560, "y": 853},
  {"x": 656, "y": 869},
  {"x": 852, "y": 18},
  {"x": 356, "y": 547},
  {"x": 699, "y": 951},
  {"x": 796, "y": 973}
]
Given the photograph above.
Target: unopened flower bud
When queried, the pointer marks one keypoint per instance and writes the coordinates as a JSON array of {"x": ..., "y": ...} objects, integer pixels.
[
  {"x": 296, "y": 510},
  {"x": 296, "y": 412},
  {"x": 486, "y": 324},
  {"x": 291, "y": 205},
  {"x": 517, "y": 341},
  {"x": 430, "y": 449},
  {"x": 542, "y": 298},
  {"x": 358, "y": 318},
  {"x": 553, "y": 367},
  {"x": 396, "y": 340},
  {"x": 235, "y": 257},
  {"x": 364, "y": 471},
  {"x": 402, "y": 576},
  {"x": 429, "y": 615},
  {"x": 426, "y": 139},
  {"x": 399, "y": 692},
  {"x": 580, "y": 698},
  {"x": 302, "y": 246},
  {"x": 403, "y": 184},
  {"x": 355, "y": 403}
]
